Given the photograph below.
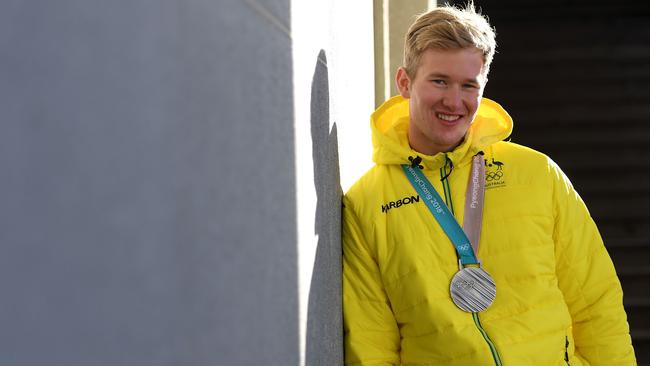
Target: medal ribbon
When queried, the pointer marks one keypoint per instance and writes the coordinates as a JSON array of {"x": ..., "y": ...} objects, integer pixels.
[
  {"x": 474, "y": 198},
  {"x": 445, "y": 218}
]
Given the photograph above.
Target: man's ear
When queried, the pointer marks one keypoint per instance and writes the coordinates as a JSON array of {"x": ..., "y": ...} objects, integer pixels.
[{"x": 403, "y": 82}]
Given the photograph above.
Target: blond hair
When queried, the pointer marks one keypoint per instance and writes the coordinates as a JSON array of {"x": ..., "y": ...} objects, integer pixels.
[{"x": 449, "y": 28}]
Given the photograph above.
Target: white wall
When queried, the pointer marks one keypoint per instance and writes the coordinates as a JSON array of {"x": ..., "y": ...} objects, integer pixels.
[{"x": 342, "y": 33}]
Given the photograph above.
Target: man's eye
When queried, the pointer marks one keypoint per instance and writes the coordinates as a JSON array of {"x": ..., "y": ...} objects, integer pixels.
[
  {"x": 438, "y": 82},
  {"x": 470, "y": 86}
]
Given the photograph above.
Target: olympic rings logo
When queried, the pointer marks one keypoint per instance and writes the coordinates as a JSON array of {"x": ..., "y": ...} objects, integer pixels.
[{"x": 491, "y": 176}]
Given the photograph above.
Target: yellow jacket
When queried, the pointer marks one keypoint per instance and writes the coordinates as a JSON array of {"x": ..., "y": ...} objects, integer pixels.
[{"x": 558, "y": 296}]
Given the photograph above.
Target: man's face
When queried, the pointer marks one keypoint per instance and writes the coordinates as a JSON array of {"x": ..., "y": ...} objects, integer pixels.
[{"x": 443, "y": 97}]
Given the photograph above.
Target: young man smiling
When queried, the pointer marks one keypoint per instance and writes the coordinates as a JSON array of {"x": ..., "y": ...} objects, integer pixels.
[
  {"x": 444, "y": 93},
  {"x": 525, "y": 281}
]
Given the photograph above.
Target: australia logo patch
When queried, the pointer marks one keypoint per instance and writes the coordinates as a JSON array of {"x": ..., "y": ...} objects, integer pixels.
[{"x": 495, "y": 176}]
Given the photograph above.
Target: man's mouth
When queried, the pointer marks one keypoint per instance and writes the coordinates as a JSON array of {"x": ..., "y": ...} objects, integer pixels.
[{"x": 448, "y": 117}]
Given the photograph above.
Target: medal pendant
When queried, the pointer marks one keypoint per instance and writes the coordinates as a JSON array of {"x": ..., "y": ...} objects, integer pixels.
[{"x": 472, "y": 289}]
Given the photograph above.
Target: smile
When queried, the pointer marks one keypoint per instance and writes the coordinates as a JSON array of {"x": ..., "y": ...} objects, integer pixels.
[{"x": 448, "y": 117}]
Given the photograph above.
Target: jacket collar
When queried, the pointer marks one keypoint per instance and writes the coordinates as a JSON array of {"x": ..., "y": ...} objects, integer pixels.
[{"x": 390, "y": 122}]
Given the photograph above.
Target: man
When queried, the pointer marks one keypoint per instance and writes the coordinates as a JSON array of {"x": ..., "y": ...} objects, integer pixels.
[{"x": 535, "y": 287}]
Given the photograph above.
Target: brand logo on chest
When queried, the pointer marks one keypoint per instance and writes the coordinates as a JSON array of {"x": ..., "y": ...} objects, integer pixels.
[{"x": 399, "y": 203}]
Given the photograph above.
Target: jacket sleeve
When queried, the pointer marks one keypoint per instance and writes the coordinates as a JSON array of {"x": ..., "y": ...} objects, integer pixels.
[
  {"x": 371, "y": 333},
  {"x": 588, "y": 280}
]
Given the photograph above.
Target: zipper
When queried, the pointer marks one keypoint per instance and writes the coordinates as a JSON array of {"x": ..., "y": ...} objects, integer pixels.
[
  {"x": 493, "y": 347},
  {"x": 444, "y": 175}
]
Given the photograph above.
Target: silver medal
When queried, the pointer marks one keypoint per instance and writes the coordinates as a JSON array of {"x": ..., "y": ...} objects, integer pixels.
[{"x": 472, "y": 289}]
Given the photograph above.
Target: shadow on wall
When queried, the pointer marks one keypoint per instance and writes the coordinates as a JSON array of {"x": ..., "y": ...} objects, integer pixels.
[{"x": 324, "y": 314}]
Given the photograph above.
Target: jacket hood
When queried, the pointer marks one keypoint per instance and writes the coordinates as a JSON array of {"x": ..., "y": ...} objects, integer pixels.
[{"x": 390, "y": 122}]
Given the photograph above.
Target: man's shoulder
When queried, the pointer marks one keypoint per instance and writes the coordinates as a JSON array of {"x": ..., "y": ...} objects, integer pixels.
[
  {"x": 518, "y": 151},
  {"x": 522, "y": 164},
  {"x": 369, "y": 180},
  {"x": 372, "y": 185},
  {"x": 514, "y": 154}
]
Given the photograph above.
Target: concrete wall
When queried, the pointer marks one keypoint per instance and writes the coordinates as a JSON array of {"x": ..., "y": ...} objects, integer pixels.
[
  {"x": 148, "y": 183},
  {"x": 171, "y": 178}
]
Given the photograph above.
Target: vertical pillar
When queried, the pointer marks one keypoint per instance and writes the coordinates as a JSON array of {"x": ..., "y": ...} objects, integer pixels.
[{"x": 392, "y": 19}]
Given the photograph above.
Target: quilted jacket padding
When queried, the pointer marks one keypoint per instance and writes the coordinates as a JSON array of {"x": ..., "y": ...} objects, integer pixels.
[{"x": 558, "y": 295}]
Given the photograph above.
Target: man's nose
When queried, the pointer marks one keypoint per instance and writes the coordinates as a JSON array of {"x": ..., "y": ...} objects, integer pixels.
[{"x": 452, "y": 98}]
